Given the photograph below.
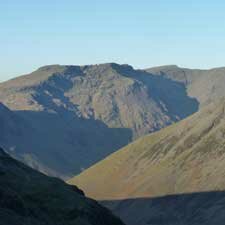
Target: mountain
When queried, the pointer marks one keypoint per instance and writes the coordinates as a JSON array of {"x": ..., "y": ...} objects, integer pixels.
[
  {"x": 30, "y": 198},
  {"x": 186, "y": 157},
  {"x": 81, "y": 114}
]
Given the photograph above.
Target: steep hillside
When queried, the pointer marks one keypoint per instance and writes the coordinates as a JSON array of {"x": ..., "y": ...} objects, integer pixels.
[
  {"x": 81, "y": 114},
  {"x": 174, "y": 176},
  {"x": 185, "y": 157},
  {"x": 30, "y": 198}
]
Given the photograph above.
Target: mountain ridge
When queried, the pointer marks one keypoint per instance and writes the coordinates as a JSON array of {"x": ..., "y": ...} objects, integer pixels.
[{"x": 72, "y": 102}]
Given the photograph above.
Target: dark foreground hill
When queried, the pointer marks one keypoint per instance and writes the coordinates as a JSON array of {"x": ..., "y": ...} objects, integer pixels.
[{"x": 28, "y": 197}]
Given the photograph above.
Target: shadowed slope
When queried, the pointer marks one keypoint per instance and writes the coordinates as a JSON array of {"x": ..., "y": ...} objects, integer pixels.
[
  {"x": 30, "y": 198},
  {"x": 185, "y": 209},
  {"x": 57, "y": 146}
]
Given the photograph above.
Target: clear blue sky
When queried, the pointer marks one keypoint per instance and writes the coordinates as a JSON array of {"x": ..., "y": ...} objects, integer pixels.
[{"x": 144, "y": 33}]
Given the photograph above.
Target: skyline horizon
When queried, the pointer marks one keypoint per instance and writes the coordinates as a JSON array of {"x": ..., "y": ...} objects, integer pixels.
[
  {"x": 140, "y": 33},
  {"x": 10, "y": 77}
]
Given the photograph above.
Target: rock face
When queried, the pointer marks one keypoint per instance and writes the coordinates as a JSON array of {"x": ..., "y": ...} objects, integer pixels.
[
  {"x": 82, "y": 114},
  {"x": 30, "y": 198},
  {"x": 186, "y": 157}
]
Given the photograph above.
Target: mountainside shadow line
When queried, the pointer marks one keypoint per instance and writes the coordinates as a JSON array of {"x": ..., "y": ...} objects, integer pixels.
[
  {"x": 181, "y": 209},
  {"x": 76, "y": 143}
]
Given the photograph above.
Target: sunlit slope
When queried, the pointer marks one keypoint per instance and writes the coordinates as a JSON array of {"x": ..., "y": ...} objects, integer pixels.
[{"x": 185, "y": 157}]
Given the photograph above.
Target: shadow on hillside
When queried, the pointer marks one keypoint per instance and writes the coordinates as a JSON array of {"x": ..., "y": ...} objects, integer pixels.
[
  {"x": 64, "y": 142},
  {"x": 58, "y": 137},
  {"x": 177, "y": 104},
  {"x": 206, "y": 208}
]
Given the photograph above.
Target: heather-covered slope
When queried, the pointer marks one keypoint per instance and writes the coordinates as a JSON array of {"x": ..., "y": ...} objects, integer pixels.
[
  {"x": 185, "y": 157},
  {"x": 81, "y": 114},
  {"x": 30, "y": 198}
]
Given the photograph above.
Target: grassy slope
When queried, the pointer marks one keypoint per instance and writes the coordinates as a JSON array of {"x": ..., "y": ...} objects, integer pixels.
[{"x": 185, "y": 157}]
